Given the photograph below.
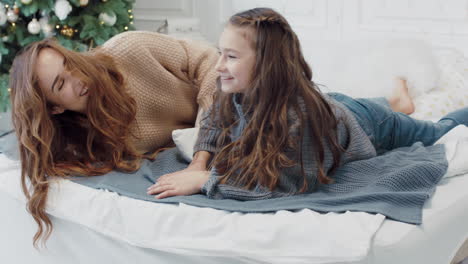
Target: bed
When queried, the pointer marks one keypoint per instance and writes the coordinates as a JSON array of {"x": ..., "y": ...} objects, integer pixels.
[{"x": 98, "y": 226}]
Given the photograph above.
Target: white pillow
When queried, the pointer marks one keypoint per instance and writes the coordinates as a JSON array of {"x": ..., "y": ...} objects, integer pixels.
[
  {"x": 433, "y": 105},
  {"x": 368, "y": 68},
  {"x": 452, "y": 91},
  {"x": 185, "y": 141},
  {"x": 453, "y": 67}
]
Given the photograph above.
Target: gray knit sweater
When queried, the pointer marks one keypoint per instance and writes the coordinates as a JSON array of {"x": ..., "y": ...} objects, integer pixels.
[{"x": 351, "y": 137}]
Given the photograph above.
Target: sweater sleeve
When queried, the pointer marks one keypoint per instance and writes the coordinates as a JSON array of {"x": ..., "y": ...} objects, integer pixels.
[
  {"x": 207, "y": 135},
  {"x": 188, "y": 60}
]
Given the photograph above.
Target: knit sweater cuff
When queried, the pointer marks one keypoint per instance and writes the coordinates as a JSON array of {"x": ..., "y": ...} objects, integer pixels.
[
  {"x": 206, "y": 140},
  {"x": 204, "y": 147},
  {"x": 209, "y": 188}
]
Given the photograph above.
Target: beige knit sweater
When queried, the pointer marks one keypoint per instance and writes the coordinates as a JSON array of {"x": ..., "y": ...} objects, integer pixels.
[{"x": 169, "y": 79}]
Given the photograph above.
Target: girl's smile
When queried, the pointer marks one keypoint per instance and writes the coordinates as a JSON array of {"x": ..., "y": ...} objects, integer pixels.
[{"x": 236, "y": 61}]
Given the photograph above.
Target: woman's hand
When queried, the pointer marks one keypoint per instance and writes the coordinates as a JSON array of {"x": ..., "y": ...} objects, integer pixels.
[{"x": 184, "y": 182}]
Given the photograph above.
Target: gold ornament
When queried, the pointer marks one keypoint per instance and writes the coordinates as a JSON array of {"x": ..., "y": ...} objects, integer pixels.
[{"x": 67, "y": 31}]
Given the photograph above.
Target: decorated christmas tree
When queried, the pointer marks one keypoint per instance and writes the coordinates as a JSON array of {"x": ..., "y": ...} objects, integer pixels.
[{"x": 76, "y": 24}]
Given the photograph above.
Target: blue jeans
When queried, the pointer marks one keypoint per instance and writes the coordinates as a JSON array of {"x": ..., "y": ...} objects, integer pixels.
[{"x": 389, "y": 130}]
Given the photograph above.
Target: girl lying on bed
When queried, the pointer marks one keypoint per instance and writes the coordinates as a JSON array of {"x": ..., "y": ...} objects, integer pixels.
[
  {"x": 90, "y": 113},
  {"x": 271, "y": 130}
]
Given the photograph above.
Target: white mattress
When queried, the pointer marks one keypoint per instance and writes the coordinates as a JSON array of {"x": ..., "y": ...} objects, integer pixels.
[{"x": 85, "y": 233}]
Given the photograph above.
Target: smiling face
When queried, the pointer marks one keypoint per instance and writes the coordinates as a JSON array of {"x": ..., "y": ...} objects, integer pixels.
[
  {"x": 62, "y": 90},
  {"x": 237, "y": 58}
]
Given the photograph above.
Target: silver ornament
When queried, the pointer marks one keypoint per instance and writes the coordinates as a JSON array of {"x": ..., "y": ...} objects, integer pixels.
[
  {"x": 108, "y": 19},
  {"x": 34, "y": 27},
  {"x": 11, "y": 16},
  {"x": 62, "y": 8}
]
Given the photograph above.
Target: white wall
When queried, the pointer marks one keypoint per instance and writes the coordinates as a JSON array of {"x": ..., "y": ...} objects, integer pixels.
[
  {"x": 148, "y": 14},
  {"x": 440, "y": 22}
]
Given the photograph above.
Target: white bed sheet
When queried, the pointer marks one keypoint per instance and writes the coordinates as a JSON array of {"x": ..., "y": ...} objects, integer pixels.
[{"x": 175, "y": 238}]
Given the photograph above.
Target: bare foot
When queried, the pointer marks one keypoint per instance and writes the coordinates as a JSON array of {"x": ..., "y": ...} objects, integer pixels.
[{"x": 400, "y": 100}]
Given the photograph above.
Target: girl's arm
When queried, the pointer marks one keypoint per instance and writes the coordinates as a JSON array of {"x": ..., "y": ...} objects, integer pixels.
[
  {"x": 200, "y": 160},
  {"x": 187, "y": 183},
  {"x": 190, "y": 180}
]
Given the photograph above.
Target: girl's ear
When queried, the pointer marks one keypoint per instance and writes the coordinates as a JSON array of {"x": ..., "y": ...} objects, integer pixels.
[{"x": 56, "y": 110}]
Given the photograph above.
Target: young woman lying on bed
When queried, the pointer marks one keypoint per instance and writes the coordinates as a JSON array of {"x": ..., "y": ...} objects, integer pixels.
[
  {"x": 90, "y": 113},
  {"x": 273, "y": 133}
]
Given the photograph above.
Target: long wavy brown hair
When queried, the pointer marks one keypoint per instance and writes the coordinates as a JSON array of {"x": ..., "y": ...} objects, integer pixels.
[
  {"x": 70, "y": 143},
  {"x": 281, "y": 77}
]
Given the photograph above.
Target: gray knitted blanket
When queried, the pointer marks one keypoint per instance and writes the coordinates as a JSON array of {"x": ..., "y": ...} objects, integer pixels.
[{"x": 395, "y": 184}]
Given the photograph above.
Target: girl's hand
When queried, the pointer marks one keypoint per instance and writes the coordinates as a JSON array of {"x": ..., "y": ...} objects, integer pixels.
[{"x": 184, "y": 182}]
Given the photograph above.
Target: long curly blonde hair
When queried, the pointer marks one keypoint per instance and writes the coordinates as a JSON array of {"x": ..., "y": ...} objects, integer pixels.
[{"x": 70, "y": 143}]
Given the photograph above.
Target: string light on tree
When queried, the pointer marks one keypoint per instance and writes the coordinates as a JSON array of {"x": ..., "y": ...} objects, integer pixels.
[
  {"x": 26, "y": 2},
  {"x": 84, "y": 2},
  {"x": 130, "y": 15}
]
